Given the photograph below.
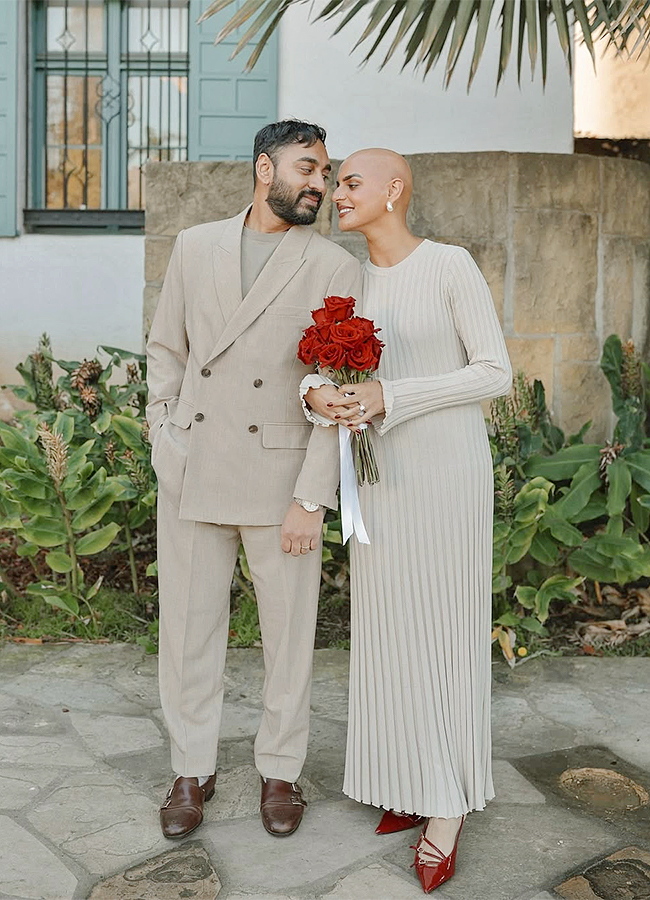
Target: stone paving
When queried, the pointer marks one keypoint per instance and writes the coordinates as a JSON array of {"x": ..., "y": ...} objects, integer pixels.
[{"x": 84, "y": 766}]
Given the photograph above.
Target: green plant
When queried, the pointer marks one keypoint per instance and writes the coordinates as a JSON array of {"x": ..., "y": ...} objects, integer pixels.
[
  {"x": 106, "y": 418},
  {"x": 580, "y": 513},
  {"x": 628, "y": 377},
  {"x": 54, "y": 497},
  {"x": 431, "y": 28},
  {"x": 149, "y": 641}
]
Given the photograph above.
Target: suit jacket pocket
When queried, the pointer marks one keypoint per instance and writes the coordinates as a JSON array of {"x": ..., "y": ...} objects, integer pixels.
[
  {"x": 286, "y": 436},
  {"x": 181, "y": 413}
]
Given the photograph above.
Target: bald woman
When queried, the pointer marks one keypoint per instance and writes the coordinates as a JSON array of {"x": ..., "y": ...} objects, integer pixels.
[{"x": 419, "y": 719}]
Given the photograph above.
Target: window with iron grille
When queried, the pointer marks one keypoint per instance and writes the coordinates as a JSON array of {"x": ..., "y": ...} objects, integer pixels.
[{"x": 108, "y": 93}]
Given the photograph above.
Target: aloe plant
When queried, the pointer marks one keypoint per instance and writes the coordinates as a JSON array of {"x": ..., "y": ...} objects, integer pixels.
[{"x": 425, "y": 30}]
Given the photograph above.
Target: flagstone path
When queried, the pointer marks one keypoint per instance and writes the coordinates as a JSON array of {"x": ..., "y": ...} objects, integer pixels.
[{"x": 84, "y": 766}]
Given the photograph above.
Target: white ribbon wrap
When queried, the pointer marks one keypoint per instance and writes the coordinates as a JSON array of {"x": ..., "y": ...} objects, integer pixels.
[{"x": 351, "y": 518}]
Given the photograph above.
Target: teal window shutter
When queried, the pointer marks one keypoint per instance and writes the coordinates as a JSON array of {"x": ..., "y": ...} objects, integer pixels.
[
  {"x": 8, "y": 111},
  {"x": 226, "y": 107}
]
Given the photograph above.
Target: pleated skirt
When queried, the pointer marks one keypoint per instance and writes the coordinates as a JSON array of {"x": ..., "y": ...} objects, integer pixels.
[{"x": 419, "y": 736}]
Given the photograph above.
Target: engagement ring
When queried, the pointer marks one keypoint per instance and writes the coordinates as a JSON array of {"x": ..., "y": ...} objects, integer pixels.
[{"x": 362, "y": 409}]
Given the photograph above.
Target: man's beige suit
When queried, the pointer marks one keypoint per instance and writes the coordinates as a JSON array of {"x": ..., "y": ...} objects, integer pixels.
[{"x": 231, "y": 448}]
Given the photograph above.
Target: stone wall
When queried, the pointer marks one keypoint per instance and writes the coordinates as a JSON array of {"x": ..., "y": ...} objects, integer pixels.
[{"x": 563, "y": 241}]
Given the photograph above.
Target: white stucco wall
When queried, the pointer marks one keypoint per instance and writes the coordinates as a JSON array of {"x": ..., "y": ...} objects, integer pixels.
[
  {"x": 612, "y": 100},
  {"x": 82, "y": 290},
  {"x": 361, "y": 107}
]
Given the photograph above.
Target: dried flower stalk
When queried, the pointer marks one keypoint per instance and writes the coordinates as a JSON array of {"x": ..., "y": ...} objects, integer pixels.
[{"x": 56, "y": 453}]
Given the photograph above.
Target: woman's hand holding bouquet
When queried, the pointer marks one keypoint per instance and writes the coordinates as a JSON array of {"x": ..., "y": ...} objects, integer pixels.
[{"x": 346, "y": 350}]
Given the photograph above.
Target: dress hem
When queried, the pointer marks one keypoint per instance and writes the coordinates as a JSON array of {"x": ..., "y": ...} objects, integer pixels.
[{"x": 413, "y": 812}]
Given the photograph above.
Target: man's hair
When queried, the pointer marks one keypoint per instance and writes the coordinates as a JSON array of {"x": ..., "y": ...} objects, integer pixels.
[{"x": 277, "y": 135}]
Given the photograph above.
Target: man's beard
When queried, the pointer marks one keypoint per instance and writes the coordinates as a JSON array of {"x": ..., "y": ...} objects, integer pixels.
[{"x": 286, "y": 205}]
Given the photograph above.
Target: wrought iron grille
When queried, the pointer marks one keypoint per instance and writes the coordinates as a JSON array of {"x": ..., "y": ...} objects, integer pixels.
[{"x": 109, "y": 94}]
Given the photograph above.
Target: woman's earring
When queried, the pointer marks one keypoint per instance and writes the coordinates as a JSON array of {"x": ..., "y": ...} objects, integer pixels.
[{"x": 389, "y": 206}]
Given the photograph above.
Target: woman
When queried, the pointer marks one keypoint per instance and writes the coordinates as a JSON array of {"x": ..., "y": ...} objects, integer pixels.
[{"x": 419, "y": 720}]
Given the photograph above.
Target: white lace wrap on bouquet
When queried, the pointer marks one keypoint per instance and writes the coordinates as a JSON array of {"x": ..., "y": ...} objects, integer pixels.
[{"x": 351, "y": 518}]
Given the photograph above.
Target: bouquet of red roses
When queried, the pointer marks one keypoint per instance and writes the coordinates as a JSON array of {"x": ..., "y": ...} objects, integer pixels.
[{"x": 346, "y": 347}]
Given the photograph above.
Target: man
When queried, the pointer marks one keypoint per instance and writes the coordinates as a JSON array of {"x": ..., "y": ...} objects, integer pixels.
[{"x": 236, "y": 461}]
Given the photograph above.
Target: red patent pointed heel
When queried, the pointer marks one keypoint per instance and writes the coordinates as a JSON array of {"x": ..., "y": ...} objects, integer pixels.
[
  {"x": 392, "y": 822},
  {"x": 435, "y": 868}
]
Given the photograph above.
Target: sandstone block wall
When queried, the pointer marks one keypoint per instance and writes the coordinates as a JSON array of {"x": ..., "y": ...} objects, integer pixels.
[{"x": 563, "y": 241}]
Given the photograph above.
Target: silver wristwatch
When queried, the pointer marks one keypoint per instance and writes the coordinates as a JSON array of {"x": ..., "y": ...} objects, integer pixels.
[{"x": 307, "y": 504}]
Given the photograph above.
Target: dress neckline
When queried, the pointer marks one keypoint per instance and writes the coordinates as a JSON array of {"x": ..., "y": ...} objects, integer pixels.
[{"x": 388, "y": 270}]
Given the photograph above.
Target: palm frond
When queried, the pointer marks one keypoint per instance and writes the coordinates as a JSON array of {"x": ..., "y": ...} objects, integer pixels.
[
  {"x": 635, "y": 17},
  {"x": 411, "y": 12},
  {"x": 484, "y": 17},
  {"x": 423, "y": 29},
  {"x": 543, "y": 38},
  {"x": 380, "y": 9},
  {"x": 466, "y": 13},
  {"x": 560, "y": 13},
  {"x": 390, "y": 18},
  {"x": 529, "y": 12},
  {"x": 507, "y": 28}
]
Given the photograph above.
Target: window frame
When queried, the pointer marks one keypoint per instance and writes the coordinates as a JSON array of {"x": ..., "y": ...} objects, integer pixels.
[{"x": 116, "y": 63}]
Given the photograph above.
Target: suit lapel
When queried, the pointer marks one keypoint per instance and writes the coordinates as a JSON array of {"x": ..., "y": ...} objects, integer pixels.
[
  {"x": 281, "y": 267},
  {"x": 226, "y": 266}
]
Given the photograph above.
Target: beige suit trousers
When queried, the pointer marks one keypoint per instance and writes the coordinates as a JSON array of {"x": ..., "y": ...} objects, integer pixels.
[{"x": 195, "y": 563}]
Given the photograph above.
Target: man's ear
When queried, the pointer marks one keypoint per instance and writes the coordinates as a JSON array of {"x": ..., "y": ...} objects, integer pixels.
[{"x": 264, "y": 168}]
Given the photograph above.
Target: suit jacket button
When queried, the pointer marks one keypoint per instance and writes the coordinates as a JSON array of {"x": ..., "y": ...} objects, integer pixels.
[
  {"x": 199, "y": 417},
  {"x": 258, "y": 382},
  {"x": 253, "y": 429},
  {"x": 206, "y": 372}
]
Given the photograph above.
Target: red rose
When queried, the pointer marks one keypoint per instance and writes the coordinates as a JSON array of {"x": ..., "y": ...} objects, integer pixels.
[
  {"x": 324, "y": 332},
  {"x": 366, "y": 356},
  {"x": 365, "y": 327},
  {"x": 346, "y": 334},
  {"x": 339, "y": 308},
  {"x": 332, "y": 355},
  {"x": 320, "y": 316},
  {"x": 352, "y": 332},
  {"x": 308, "y": 346}
]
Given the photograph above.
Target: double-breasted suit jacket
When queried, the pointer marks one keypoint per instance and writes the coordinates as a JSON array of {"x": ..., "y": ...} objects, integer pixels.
[{"x": 224, "y": 376}]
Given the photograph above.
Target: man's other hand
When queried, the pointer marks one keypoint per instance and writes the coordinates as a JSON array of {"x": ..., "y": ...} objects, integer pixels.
[{"x": 301, "y": 530}]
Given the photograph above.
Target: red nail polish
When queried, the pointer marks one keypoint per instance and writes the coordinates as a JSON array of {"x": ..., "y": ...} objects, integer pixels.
[
  {"x": 337, "y": 417},
  {"x": 330, "y": 404}
]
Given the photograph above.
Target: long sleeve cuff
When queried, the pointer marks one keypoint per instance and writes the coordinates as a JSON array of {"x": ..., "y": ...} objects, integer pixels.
[
  {"x": 389, "y": 402},
  {"x": 410, "y": 397},
  {"x": 313, "y": 381}
]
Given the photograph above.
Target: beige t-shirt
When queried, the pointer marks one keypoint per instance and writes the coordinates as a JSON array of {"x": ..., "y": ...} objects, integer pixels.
[{"x": 257, "y": 247}]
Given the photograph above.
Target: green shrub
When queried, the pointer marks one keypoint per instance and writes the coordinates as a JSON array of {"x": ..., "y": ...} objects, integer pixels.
[
  {"x": 75, "y": 475},
  {"x": 76, "y": 482},
  {"x": 576, "y": 514}
]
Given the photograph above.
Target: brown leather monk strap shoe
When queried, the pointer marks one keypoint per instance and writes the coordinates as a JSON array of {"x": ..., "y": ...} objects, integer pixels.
[
  {"x": 282, "y": 806},
  {"x": 182, "y": 810}
]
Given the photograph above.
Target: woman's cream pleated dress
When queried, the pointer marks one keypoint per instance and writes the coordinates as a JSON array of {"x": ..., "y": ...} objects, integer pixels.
[{"x": 419, "y": 718}]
